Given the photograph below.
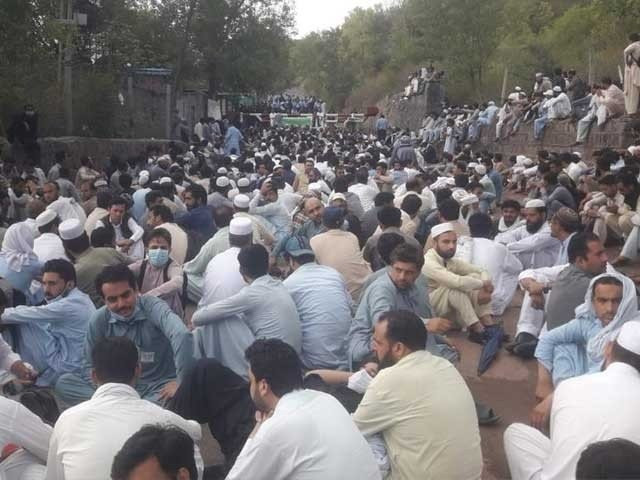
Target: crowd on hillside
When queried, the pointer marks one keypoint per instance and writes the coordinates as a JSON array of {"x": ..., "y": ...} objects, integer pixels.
[{"x": 294, "y": 289}]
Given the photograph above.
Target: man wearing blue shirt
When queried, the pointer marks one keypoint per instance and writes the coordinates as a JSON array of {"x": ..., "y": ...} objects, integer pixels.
[
  {"x": 199, "y": 217},
  {"x": 164, "y": 343},
  {"x": 51, "y": 336}
]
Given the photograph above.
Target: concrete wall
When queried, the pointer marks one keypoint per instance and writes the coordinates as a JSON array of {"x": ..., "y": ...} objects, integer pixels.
[
  {"x": 559, "y": 136},
  {"x": 99, "y": 149}
]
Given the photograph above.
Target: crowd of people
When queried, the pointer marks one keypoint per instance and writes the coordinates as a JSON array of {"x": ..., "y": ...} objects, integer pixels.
[{"x": 293, "y": 288}]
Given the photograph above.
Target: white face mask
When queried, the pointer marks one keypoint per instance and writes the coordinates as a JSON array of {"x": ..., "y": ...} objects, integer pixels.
[{"x": 63, "y": 294}]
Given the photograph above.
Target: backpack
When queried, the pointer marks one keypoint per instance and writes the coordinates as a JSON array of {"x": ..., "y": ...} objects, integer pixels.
[{"x": 165, "y": 279}]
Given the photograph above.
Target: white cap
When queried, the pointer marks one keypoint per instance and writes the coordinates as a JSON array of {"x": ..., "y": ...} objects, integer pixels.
[
  {"x": 101, "y": 182},
  {"x": 557, "y": 89},
  {"x": 315, "y": 186},
  {"x": 440, "y": 229},
  {"x": 165, "y": 180},
  {"x": 535, "y": 203},
  {"x": 241, "y": 201},
  {"x": 231, "y": 194},
  {"x": 222, "y": 182},
  {"x": 629, "y": 337},
  {"x": 222, "y": 171},
  {"x": 633, "y": 149},
  {"x": 338, "y": 196},
  {"x": 243, "y": 182},
  {"x": 143, "y": 178},
  {"x": 518, "y": 89},
  {"x": 70, "y": 229},
  {"x": 481, "y": 169},
  {"x": 46, "y": 217},
  {"x": 548, "y": 93},
  {"x": 578, "y": 154},
  {"x": 528, "y": 162},
  {"x": 240, "y": 226},
  {"x": 472, "y": 165},
  {"x": 468, "y": 199}
]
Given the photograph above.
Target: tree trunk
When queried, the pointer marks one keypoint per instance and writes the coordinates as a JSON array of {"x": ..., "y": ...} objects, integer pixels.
[{"x": 182, "y": 51}]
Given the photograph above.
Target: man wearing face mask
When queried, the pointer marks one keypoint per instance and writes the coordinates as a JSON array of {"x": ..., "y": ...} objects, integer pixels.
[
  {"x": 532, "y": 243},
  {"x": 51, "y": 336},
  {"x": 159, "y": 275},
  {"x": 164, "y": 343}
]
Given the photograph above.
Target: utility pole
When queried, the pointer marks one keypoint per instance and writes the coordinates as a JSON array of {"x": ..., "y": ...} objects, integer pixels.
[
  {"x": 68, "y": 80},
  {"x": 504, "y": 84},
  {"x": 60, "y": 43}
]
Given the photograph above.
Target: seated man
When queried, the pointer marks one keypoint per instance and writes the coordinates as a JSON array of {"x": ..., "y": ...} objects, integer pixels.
[
  {"x": 156, "y": 451},
  {"x": 586, "y": 409},
  {"x": 158, "y": 275},
  {"x": 127, "y": 232},
  {"x": 48, "y": 245},
  {"x": 323, "y": 303},
  {"x": 459, "y": 290},
  {"x": 399, "y": 287},
  {"x": 198, "y": 219},
  {"x": 604, "y": 208},
  {"x": 552, "y": 294},
  {"x": 420, "y": 404},
  {"x": 165, "y": 344},
  {"x": 532, "y": 243},
  {"x": 390, "y": 221},
  {"x": 616, "y": 458},
  {"x": 87, "y": 437},
  {"x": 298, "y": 432},
  {"x": 578, "y": 346},
  {"x": 262, "y": 309},
  {"x": 51, "y": 336}
]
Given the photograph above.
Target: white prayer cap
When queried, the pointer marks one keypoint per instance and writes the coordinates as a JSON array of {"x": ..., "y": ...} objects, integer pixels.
[
  {"x": 338, "y": 196},
  {"x": 539, "y": 74},
  {"x": 528, "y": 161},
  {"x": 535, "y": 203},
  {"x": 143, "y": 178},
  {"x": 315, "y": 186},
  {"x": 46, "y": 217},
  {"x": 383, "y": 159},
  {"x": 634, "y": 149},
  {"x": 233, "y": 157},
  {"x": 469, "y": 199},
  {"x": 70, "y": 229},
  {"x": 241, "y": 201},
  {"x": 240, "y": 226},
  {"x": 440, "y": 229},
  {"x": 480, "y": 169},
  {"x": 629, "y": 337},
  {"x": 164, "y": 180},
  {"x": 231, "y": 194},
  {"x": 518, "y": 89},
  {"x": 491, "y": 103},
  {"x": 557, "y": 89},
  {"x": 222, "y": 182},
  {"x": 164, "y": 159},
  {"x": 222, "y": 171},
  {"x": 548, "y": 93},
  {"x": 243, "y": 182},
  {"x": 578, "y": 154},
  {"x": 101, "y": 182},
  {"x": 472, "y": 164}
]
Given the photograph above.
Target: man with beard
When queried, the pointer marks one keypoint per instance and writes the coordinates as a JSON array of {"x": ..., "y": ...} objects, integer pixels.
[
  {"x": 532, "y": 243},
  {"x": 299, "y": 433},
  {"x": 420, "y": 404},
  {"x": 510, "y": 219},
  {"x": 459, "y": 291}
]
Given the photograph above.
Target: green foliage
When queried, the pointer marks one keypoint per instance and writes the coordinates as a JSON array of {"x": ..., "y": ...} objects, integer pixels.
[{"x": 473, "y": 41}]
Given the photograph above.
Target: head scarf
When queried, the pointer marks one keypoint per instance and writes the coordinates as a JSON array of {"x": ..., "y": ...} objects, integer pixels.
[
  {"x": 17, "y": 247},
  {"x": 627, "y": 310}
]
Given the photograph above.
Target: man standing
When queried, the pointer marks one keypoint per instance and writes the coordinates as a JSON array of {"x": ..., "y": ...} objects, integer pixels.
[
  {"x": 299, "y": 433},
  {"x": 86, "y": 437},
  {"x": 584, "y": 410},
  {"x": 420, "y": 404},
  {"x": 262, "y": 309},
  {"x": 324, "y": 306},
  {"x": 165, "y": 344},
  {"x": 51, "y": 336},
  {"x": 632, "y": 74},
  {"x": 382, "y": 125},
  {"x": 532, "y": 243},
  {"x": 458, "y": 290}
]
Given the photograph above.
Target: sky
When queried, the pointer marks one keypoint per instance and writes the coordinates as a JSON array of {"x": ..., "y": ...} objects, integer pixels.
[{"x": 314, "y": 15}]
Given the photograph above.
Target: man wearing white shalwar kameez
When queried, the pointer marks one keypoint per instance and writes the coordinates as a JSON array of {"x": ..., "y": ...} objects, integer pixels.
[
  {"x": 532, "y": 243},
  {"x": 632, "y": 74},
  {"x": 584, "y": 410}
]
